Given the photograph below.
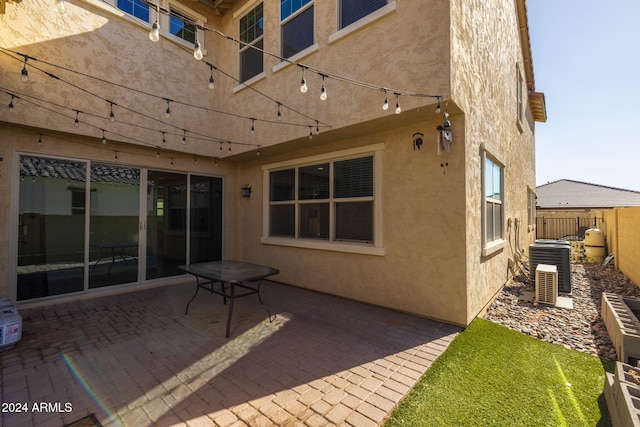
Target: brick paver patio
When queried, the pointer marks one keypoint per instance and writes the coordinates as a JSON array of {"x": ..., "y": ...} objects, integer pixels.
[{"x": 136, "y": 360}]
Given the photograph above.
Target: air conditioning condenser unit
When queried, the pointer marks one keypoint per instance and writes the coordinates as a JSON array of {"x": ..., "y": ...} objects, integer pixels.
[{"x": 546, "y": 284}]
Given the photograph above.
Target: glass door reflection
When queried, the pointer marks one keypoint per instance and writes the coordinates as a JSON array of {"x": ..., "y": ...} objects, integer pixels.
[
  {"x": 114, "y": 225},
  {"x": 51, "y": 230},
  {"x": 166, "y": 224}
]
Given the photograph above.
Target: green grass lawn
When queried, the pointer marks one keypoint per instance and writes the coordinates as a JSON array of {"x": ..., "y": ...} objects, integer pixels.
[{"x": 493, "y": 376}]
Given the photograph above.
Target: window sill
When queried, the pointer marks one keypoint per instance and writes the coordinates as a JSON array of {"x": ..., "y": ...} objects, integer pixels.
[
  {"x": 249, "y": 82},
  {"x": 348, "y": 247},
  {"x": 367, "y": 20},
  {"x": 295, "y": 58},
  {"x": 493, "y": 247}
]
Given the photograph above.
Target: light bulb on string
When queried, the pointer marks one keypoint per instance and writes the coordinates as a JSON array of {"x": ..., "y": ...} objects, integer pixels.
[
  {"x": 398, "y": 109},
  {"x": 303, "y": 83},
  {"x": 11, "y": 104},
  {"x": 323, "y": 91},
  {"x": 279, "y": 113},
  {"x": 195, "y": 159},
  {"x": 438, "y": 106},
  {"x": 385, "y": 105},
  {"x": 258, "y": 152},
  {"x": 158, "y": 153},
  {"x": 171, "y": 162},
  {"x": 229, "y": 146},
  {"x": 154, "y": 34},
  {"x": 167, "y": 113},
  {"x": 253, "y": 128},
  {"x": 40, "y": 140},
  {"x": 116, "y": 156},
  {"x": 76, "y": 122},
  {"x": 60, "y": 7},
  {"x": 112, "y": 116},
  {"x": 164, "y": 138},
  {"x": 104, "y": 139},
  {"x": 221, "y": 146},
  {"x": 212, "y": 81},
  {"x": 317, "y": 127},
  {"x": 310, "y": 133},
  {"x": 197, "y": 50},
  {"x": 184, "y": 136},
  {"x": 24, "y": 73}
]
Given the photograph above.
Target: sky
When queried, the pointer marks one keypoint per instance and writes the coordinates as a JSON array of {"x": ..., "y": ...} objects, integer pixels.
[{"x": 586, "y": 60}]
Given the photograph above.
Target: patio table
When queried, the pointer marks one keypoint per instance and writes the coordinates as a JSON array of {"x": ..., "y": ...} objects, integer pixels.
[{"x": 229, "y": 275}]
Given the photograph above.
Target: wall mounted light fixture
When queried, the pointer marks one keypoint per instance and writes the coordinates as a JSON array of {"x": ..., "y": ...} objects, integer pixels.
[{"x": 246, "y": 191}]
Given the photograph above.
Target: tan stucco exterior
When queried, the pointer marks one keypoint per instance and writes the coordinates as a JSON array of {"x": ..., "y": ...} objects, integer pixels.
[{"x": 430, "y": 261}]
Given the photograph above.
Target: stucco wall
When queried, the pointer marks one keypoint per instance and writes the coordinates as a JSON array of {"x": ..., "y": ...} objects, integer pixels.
[
  {"x": 486, "y": 55},
  {"x": 623, "y": 240},
  {"x": 423, "y": 270}
]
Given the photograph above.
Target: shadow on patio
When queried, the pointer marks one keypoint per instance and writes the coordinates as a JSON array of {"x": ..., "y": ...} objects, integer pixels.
[{"x": 135, "y": 359}]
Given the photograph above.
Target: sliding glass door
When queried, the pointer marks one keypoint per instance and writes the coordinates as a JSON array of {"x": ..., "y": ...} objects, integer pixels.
[
  {"x": 114, "y": 225},
  {"x": 51, "y": 227},
  {"x": 86, "y": 225}
]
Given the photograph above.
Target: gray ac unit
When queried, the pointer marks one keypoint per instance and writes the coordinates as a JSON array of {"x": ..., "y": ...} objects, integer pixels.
[{"x": 551, "y": 254}]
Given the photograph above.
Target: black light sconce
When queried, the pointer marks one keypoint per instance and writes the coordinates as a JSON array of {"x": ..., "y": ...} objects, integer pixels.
[{"x": 246, "y": 191}]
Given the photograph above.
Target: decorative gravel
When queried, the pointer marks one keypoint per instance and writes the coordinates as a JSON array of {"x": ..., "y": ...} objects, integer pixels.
[{"x": 579, "y": 328}]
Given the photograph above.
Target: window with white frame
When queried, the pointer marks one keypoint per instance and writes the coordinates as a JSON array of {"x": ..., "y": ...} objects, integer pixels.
[
  {"x": 180, "y": 22},
  {"x": 329, "y": 200},
  {"x": 136, "y": 8},
  {"x": 353, "y": 10},
  {"x": 251, "y": 38},
  {"x": 493, "y": 200},
  {"x": 180, "y": 25},
  {"x": 520, "y": 96},
  {"x": 296, "y": 23},
  {"x": 531, "y": 207}
]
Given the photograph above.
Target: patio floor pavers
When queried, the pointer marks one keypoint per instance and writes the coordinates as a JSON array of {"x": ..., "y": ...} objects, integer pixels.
[{"x": 135, "y": 359}]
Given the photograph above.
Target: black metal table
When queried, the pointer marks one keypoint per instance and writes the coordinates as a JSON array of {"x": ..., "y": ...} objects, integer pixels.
[{"x": 229, "y": 275}]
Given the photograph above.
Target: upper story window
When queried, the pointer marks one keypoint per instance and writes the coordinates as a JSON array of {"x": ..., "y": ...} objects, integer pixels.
[
  {"x": 519, "y": 97},
  {"x": 181, "y": 26},
  {"x": 296, "y": 21},
  {"x": 135, "y": 7},
  {"x": 251, "y": 34},
  {"x": 179, "y": 22},
  {"x": 354, "y": 10}
]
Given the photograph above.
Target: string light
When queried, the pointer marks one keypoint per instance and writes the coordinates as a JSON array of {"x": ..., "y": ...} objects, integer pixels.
[
  {"x": 385, "y": 105},
  {"x": 310, "y": 133},
  {"x": 184, "y": 136},
  {"x": 116, "y": 156},
  {"x": 167, "y": 113},
  {"x": 195, "y": 159},
  {"x": 60, "y": 7},
  {"x": 438, "y": 106},
  {"x": 76, "y": 122},
  {"x": 104, "y": 139},
  {"x": 257, "y": 153},
  {"x": 221, "y": 146},
  {"x": 171, "y": 162},
  {"x": 279, "y": 113},
  {"x": 40, "y": 140},
  {"x": 25, "y": 74},
  {"x": 197, "y": 50},
  {"x": 303, "y": 83},
  {"x": 317, "y": 128},
  {"x": 154, "y": 34},
  {"x": 112, "y": 116},
  {"x": 253, "y": 129},
  {"x": 323, "y": 91},
  {"x": 229, "y": 147},
  {"x": 11, "y": 104},
  {"x": 164, "y": 138},
  {"x": 158, "y": 153},
  {"x": 398, "y": 109},
  {"x": 212, "y": 82}
]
